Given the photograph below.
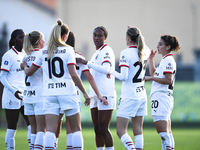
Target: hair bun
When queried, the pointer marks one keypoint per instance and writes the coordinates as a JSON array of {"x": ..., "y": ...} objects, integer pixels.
[{"x": 59, "y": 22}]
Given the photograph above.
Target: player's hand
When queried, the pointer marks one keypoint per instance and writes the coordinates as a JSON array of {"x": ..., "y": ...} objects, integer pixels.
[
  {"x": 152, "y": 54},
  {"x": 18, "y": 95},
  {"x": 148, "y": 78},
  {"x": 87, "y": 99},
  {"x": 108, "y": 75},
  {"x": 23, "y": 65},
  {"x": 104, "y": 100},
  {"x": 82, "y": 61}
]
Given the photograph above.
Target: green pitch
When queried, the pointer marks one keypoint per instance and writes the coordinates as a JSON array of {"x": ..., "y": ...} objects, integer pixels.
[{"x": 185, "y": 139}]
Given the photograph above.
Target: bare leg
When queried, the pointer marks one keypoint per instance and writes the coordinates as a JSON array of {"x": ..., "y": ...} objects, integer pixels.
[{"x": 98, "y": 136}]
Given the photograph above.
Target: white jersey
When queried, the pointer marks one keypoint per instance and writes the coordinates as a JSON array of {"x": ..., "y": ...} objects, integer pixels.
[
  {"x": 133, "y": 87},
  {"x": 56, "y": 77},
  {"x": 11, "y": 61},
  {"x": 80, "y": 68},
  {"x": 106, "y": 86},
  {"x": 167, "y": 65},
  {"x": 34, "y": 83}
]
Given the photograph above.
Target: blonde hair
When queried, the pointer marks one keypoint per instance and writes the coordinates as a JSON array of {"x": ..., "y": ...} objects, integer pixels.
[
  {"x": 31, "y": 40},
  {"x": 136, "y": 37},
  {"x": 55, "y": 38}
]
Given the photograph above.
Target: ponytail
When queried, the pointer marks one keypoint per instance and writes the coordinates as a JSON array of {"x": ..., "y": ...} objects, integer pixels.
[
  {"x": 31, "y": 40},
  {"x": 55, "y": 38},
  {"x": 136, "y": 37}
]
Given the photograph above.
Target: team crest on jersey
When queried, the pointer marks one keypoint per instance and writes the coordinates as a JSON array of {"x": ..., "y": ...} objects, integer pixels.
[
  {"x": 107, "y": 56},
  {"x": 123, "y": 59},
  {"x": 6, "y": 62},
  {"x": 97, "y": 56}
]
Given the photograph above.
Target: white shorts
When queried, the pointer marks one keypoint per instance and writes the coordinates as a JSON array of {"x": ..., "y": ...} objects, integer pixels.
[
  {"x": 55, "y": 104},
  {"x": 79, "y": 105},
  {"x": 128, "y": 108},
  {"x": 95, "y": 102},
  {"x": 162, "y": 104},
  {"x": 34, "y": 109},
  {"x": 9, "y": 101}
]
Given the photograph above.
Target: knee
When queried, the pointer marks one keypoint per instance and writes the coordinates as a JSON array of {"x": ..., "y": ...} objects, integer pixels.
[{"x": 103, "y": 130}]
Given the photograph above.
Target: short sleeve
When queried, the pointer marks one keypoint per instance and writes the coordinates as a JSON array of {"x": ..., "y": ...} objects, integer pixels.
[
  {"x": 106, "y": 57},
  {"x": 71, "y": 57},
  {"x": 168, "y": 66},
  {"x": 123, "y": 62},
  {"x": 38, "y": 61}
]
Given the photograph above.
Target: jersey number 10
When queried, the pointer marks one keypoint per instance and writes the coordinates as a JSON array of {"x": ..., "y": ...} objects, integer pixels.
[{"x": 52, "y": 67}]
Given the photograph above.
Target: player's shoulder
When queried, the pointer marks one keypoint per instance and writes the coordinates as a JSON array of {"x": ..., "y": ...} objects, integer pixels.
[{"x": 78, "y": 55}]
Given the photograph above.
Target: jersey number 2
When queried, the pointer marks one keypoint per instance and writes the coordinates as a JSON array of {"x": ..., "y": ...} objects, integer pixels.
[{"x": 138, "y": 63}]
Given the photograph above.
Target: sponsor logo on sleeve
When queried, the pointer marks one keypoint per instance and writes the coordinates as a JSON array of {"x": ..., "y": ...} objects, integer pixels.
[
  {"x": 169, "y": 66},
  {"x": 123, "y": 59},
  {"x": 107, "y": 56}
]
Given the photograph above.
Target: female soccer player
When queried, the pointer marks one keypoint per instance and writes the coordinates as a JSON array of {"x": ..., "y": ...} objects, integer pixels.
[
  {"x": 101, "y": 62},
  {"x": 33, "y": 42},
  {"x": 80, "y": 68},
  {"x": 12, "y": 77},
  {"x": 59, "y": 80},
  {"x": 163, "y": 78},
  {"x": 133, "y": 100}
]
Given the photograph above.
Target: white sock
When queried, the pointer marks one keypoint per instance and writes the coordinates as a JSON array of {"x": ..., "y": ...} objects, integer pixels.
[
  {"x": 172, "y": 140},
  {"x": 29, "y": 136},
  {"x": 166, "y": 140},
  {"x": 39, "y": 141},
  {"x": 56, "y": 144},
  {"x": 139, "y": 141},
  {"x": 49, "y": 140},
  {"x": 69, "y": 141},
  {"x": 77, "y": 140},
  {"x": 127, "y": 142},
  {"x": 10, "y": 139},
  {"x": 33, "y": 136},
  {"x": 100, "y": 148},
  {"x": 110, "y": 148}
]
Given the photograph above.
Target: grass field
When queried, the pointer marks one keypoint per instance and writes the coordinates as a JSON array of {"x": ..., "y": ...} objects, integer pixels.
[{"x": 185, "y": 139}]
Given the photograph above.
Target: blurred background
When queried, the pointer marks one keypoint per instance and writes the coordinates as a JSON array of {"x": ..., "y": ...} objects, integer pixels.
[{"x": 180, "y": 18}]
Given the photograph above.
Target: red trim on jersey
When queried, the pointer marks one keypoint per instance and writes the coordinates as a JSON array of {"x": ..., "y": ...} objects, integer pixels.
[
  {"x": 36, "y": 65},
  {"x": 167, "y": 55},
  {"x": 71, "y": 64},
  {"x": 167, "y": 72},
  {"x": 123, "y": 66},
  {"x": 103, "y": 46},
  {"x": 85, "y": 70},
  {"x": 15, "y": 50},
  {"x": 5, "y": 69},
  {"x": 133, "y": 46},
  {"x": 36, "y": 49},
  {"x": 106, "y": 61}
]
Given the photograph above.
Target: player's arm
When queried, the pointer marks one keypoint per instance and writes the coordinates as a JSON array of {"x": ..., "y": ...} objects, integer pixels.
[
  {"x": 5, "y": 82},
  {"x": 152, "y": 67},
  {"x": 121, "y": 76},
  {"x": 94, "y": 86},
  {"x": 104, "y": 68},
  {"x": 78, "y": 82},
  {"x": 166, "y": 80},
  {"x": 29, "y": 71},
  {"x": 7, "y": 85}
]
